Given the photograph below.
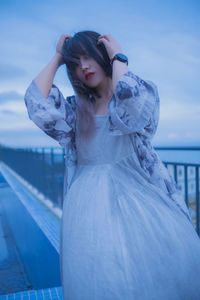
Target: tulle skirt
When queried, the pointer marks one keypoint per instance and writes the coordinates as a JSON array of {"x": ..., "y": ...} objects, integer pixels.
[{"x": 122, "y": 238}]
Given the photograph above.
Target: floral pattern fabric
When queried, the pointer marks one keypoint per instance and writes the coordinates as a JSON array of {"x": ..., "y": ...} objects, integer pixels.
[
  {"x": 54, "y": 115},
  {"x": 135, "y": 111}
]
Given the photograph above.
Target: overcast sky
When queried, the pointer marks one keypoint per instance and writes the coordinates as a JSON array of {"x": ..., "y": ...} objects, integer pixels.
[{"x": 161, "y": 40}]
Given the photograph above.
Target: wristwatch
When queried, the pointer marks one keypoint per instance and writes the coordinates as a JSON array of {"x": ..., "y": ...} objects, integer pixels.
[{"x": 120, "y": 57}]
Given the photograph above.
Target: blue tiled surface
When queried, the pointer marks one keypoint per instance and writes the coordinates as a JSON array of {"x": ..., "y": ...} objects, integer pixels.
[
  {"x": 48, "y": 223},
  {"x": 13, "y": 277},
  {"x": 50, "y": 293},
  {"x": 45, "y": 219}
]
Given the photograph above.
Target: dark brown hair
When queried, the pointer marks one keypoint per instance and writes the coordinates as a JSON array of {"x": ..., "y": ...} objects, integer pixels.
[{"x": 85, "y": 43}]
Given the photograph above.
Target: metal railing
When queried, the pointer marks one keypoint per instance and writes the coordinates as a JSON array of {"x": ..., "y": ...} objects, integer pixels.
[
  {"x": 43, "y": 168},
  {"x": 187, "y": 178}
]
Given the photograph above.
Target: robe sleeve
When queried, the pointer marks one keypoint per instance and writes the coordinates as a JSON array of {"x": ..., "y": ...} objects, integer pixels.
[
  {"x": 136, "y": 107},
  {"x": 54, "y": 115}
]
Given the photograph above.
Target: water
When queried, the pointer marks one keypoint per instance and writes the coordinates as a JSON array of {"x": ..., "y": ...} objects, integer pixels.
[{"x": 181, "y": 156}]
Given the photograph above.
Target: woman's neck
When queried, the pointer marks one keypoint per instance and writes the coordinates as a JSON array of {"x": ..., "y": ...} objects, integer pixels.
[{"x": 105, "y": 91}]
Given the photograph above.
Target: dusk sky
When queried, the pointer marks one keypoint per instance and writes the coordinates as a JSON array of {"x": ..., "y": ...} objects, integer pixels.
[{"x": 161, "y": 40}]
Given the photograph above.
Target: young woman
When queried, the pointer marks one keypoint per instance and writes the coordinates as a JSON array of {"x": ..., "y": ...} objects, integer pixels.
[{"x": 126, "y": 232}]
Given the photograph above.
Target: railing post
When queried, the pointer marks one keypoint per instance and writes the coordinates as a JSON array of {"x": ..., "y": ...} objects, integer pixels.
[
  {"x": 53, "y": 177},
  {"x": 44, "y": 177},
  {"x": 197, "y": 198},
  {"x": 186, "y": 184},
  {"x": 175, "y": 173}
]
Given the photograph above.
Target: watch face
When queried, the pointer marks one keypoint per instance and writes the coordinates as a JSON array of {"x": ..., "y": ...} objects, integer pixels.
[{"x": 122, "y": 57}]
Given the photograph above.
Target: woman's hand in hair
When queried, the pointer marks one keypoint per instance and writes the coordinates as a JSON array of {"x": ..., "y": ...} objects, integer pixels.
[
  {"x": 110, "y": 43},
  {"x": 44, "y": 79},
  {"x": 62, "y": 40}
]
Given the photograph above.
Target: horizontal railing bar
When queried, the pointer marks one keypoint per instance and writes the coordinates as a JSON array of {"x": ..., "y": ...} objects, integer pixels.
[
  {"x": 178, "y": 148},
  {"x": 192, "y": 148},
  {"x": 181, "y": 164}
]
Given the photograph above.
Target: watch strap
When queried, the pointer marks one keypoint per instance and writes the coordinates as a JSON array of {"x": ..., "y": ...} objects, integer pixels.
[{"x": 116, "y": 56}]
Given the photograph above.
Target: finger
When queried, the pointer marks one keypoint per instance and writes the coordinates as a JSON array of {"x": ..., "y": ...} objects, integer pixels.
[
  {"x": 100, "y": 40},
  {"x": 106, "y": 36},
  {"x": 102, "y": 37},
  {"x": 103, "y": 41},
  {"x": 65, "y": 36}
]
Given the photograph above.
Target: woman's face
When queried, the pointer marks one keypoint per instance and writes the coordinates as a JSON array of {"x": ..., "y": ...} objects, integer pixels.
[{"x": 88, "y": 65}]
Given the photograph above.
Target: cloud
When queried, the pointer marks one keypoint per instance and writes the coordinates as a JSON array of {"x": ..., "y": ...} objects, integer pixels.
[
  {"x": 10, "y": 96},
  {"x": 171, "y": 60},
  {"x": 172, "y": 135},
  {"x": 178, "y": 112},
  {"x": 8, "y": 112},
  {"x": 11, "y": 71}
]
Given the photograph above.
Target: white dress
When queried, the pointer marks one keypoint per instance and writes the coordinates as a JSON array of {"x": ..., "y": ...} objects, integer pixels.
[{"x": 124, "y": 236}]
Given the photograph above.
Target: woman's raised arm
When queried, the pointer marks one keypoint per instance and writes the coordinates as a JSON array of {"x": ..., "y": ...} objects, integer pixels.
[
  {"x": 45, "y": 78},
  {"x": 46, "y": 105}
]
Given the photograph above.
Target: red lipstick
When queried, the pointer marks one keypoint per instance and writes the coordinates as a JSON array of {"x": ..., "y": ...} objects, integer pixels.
[{"x": 89, "y": 75}]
